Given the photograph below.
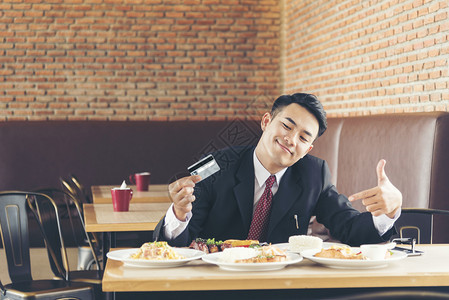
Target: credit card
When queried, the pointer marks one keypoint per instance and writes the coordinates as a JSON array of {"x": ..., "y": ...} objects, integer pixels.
[{"x": 205, "y": 167}]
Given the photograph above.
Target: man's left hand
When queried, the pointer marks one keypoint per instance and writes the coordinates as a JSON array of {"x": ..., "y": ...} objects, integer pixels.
[{"x": 385, "y": 198}]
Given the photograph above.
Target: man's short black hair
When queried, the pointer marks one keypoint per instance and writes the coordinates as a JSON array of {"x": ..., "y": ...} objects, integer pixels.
[{"x": 308, "y": 101}]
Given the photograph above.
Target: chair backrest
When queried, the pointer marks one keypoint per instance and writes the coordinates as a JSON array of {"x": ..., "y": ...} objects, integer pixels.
[
  {"x": 47, "y": 214},
  {"x": 14, "y": 228},
  {"x": 73, "y": 186},
  {"x": 15, "y": 235},
  {"x": 79, "y": 187},
  {"x": 418, "y": 223},
  {"x": 69, "y": 187},
  {"x": 64, "y": 201},
  {"x": 76, "y": 190}
]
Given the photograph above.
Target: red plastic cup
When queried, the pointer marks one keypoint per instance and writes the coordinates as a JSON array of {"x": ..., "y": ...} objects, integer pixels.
[
  {"x": 141, "y": 180},
  {"x": 121, "y": 198}
]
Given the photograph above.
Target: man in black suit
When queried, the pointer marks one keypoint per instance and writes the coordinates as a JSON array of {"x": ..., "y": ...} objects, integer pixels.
[{"x": 222, "y": 206}]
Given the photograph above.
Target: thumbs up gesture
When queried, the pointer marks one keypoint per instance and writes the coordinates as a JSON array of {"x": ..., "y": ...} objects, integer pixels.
[{"x": 385, "y": 198}]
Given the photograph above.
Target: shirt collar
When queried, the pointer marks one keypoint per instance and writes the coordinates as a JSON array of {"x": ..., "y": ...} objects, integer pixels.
[{"x": 262, "y": 174}]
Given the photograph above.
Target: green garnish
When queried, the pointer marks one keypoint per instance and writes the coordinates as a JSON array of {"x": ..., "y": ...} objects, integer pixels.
[{"x": 213, "y": 242}]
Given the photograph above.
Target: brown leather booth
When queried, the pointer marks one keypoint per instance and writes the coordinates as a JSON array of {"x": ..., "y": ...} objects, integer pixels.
[
  {"x": 35, "y": 154},
  {"x": 415, "y": 146}
]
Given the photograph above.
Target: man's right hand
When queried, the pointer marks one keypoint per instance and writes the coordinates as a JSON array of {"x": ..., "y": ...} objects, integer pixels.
[{"x": 181, "y": 193}]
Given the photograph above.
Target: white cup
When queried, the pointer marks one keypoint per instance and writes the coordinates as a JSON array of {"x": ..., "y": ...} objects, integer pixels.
[{"x": 374, "y": 251}]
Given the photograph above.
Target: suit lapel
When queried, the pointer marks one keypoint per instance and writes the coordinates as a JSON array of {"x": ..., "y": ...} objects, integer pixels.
[
  {"x": 288, "y": 193},
  {"x": 244, "y": 188}
]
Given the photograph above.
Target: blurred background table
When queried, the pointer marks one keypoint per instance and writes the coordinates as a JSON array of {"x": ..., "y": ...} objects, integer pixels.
[
  {"x": 140, "y": 217},
  {"x": 155, "y": 193}
]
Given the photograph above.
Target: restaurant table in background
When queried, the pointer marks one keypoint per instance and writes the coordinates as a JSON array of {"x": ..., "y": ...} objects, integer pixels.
[
  {"x": 155, "y": 193},
  {"x": 431, "y": 270},
  {"x": 140, "y": 217}
]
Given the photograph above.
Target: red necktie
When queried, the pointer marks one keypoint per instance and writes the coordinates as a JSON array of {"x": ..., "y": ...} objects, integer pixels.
[{"x": 259, "y": 224}]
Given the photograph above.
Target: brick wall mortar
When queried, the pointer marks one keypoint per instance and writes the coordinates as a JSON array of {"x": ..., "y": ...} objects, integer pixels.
[{"x": 368, "y": 57}]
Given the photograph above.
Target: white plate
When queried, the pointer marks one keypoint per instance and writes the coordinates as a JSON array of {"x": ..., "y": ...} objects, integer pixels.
[
  {"x": 285, "y": 246},
  {"x": 353, "y": 263},
  {"x": 214, "y": 258},
  {"x": 124, "y": 256}
]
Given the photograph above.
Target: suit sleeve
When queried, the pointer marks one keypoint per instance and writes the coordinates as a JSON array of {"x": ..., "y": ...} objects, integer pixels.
[{"x": 201, "y": 207}]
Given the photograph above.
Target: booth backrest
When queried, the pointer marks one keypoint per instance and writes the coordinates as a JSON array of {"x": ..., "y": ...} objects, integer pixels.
[
  {"x": 416, "y": 147},
  {"x": 36, "y": 154}
]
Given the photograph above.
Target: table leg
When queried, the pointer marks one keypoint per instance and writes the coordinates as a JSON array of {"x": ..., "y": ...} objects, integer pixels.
[
  {"x": 110, "y": 295},
  {"x": 109, "y": 241},
  {"x": 105, "y": 247},
  {"x": 113, "y": 240}
]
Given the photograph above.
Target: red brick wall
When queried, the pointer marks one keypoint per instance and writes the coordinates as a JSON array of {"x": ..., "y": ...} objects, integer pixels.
[
  {"x": 369, "y": 57},
  {"x": 219, "y": 59},
  {"x": 138, "y": 60}
]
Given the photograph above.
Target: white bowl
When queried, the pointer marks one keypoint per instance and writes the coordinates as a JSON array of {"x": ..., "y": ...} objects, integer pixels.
[{"x": 374, "y": 251}]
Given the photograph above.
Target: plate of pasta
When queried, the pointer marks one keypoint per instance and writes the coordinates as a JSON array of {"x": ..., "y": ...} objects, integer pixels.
[{"x": 155, "y": 255}]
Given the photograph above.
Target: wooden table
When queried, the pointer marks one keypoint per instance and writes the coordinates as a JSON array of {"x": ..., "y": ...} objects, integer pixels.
[
  {"x": 140, "y": 217},
  {"x": 155, "y": 193},
  {"x": 428, "y": 270}
]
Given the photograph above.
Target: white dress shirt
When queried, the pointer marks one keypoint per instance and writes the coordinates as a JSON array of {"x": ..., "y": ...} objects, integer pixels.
[{"x": 174, "y": 227}]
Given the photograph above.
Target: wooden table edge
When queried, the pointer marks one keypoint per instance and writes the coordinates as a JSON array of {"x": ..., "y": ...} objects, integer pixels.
[{"x": 280, "y": 282}]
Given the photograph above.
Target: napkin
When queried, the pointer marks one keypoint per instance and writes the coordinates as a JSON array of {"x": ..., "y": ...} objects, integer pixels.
[{"x": 123, "y": 186}]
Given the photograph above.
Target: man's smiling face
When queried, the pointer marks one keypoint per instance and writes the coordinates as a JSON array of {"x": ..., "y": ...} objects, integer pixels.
[{"x": 286, "y": 137}]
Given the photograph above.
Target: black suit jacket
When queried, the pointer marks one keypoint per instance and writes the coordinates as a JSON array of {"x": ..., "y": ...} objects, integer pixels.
[{"x": 224, "y": 204}]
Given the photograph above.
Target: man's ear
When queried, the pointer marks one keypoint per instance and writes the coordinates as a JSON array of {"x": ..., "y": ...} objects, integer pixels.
[{"x": 266, "y": 119}]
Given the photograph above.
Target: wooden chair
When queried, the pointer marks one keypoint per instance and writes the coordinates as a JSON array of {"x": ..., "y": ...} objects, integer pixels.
[
  {"x": 15, "y": 236},
  {"x": 48, "y": 220}
]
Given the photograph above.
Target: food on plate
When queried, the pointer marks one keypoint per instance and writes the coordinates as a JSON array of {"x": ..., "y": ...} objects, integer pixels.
[
  {"x": 207, "y": 246},
  {"x": 156, "y": 251},
  {"x": 230, "y": 255},
  {"x": 340, "y": 252},
  {"x": 298, "y": 243},
  {"x": 239, "y": 243},
  {"x": 388, "y": 254},
  {"x": 261, "y": 254},
  {"x": 212, "y": 246}
]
